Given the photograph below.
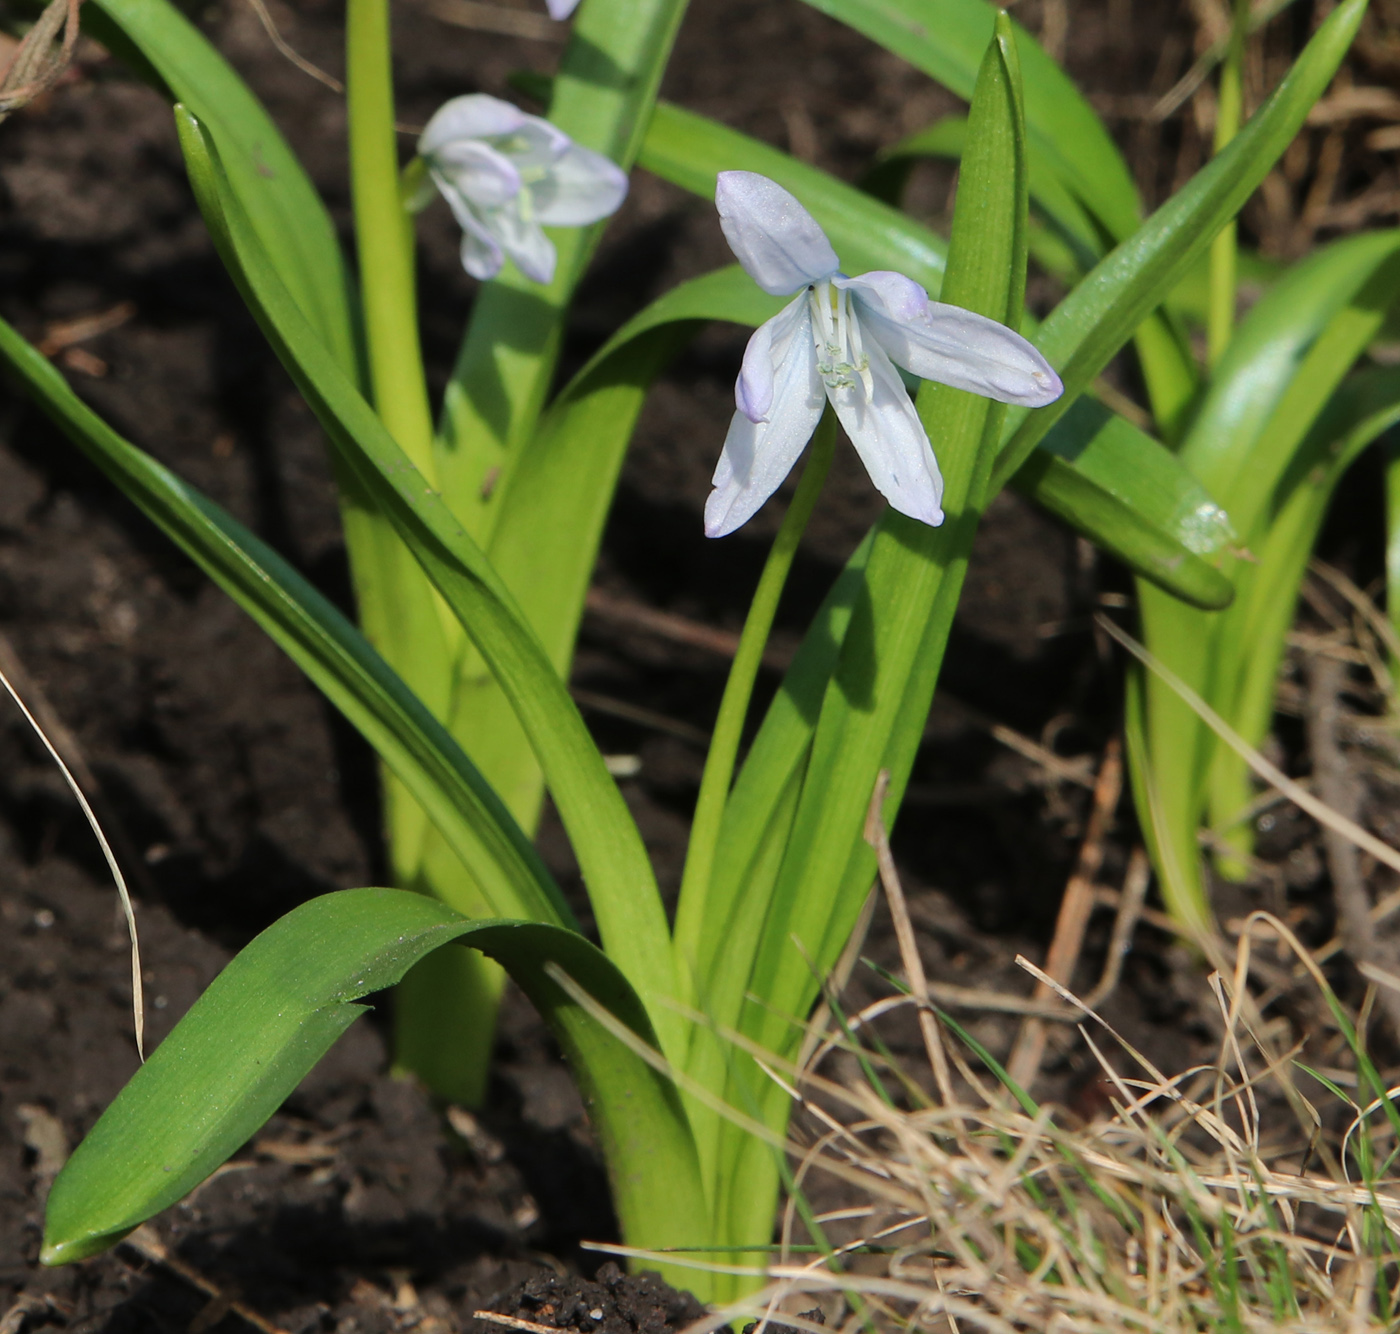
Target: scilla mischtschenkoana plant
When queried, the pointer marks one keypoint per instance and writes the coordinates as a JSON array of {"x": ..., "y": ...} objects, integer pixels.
[{"x": 472, "y": 532}]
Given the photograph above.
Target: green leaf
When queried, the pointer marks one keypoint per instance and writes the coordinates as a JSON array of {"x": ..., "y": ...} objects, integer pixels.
[
  {"x": 318, "y": 638},
  {"x": 1274, "y": 358},
  {"x": 1249, "y": 643},
  {"x": 602, "y": 98},
  {"x": 1070, "y": 245},
  {"x": 1132, "y": 496},
  {"x": 1050, "y": 196},
  {"x": 690, "y": 150},
  {"x": 282, "y": 205},
  {"x": 616, "y": 870},
  {"x": 946, "y": 39},
  {"x": 877, "y": 700},
  {"x": 1254, "y": 430},
  {"x": 1099, "y": 316},
  {"x": 277, "y": 1008}
]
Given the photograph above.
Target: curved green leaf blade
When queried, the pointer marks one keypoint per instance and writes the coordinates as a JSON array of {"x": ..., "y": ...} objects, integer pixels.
[
  {"x": 1103, "y": 476},
  {"x": 1254, "y": 428},
  {"x": 276, "y": 1009},
  {"x": 947, "y": 38},
  {"x": 318, "y": 638},
  {"x": 602, "y": 98},
  {"x": 1100, "y": 315},
  {"x": 691, "y": 150},
  {"x": 1243, "y": 436},
  {"x": 281, "y": 203},
  {"x": 1131, "y": 495},
  {"x": 614, "y": 862},
  {"x": 875, "y": 704},
  {"x": 1050, "y": 196}
]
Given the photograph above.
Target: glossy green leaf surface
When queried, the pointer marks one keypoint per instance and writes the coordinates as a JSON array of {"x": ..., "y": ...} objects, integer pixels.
[
  {"x": 1132, "y": 496},
  {"x": 321, "y": 642},
  {"x": 1254, "y": 443},
  {"x": 691, "y": 150},
  {"x": 1067, "y": 244},
  {"x": 1050, "y": 197},
  {"x": 602, "y": 98},
  {"x": 874, "y": 705},
  {"x": 282, "y": 205},
  {"x": 1100, "y": 315},
  {"x": 946, "y": 39},
  {"x": 613, "y": 860},
  {"x": 276, "y": 1009}
]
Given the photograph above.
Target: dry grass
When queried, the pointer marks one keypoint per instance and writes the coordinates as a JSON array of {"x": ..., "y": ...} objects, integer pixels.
[
  {"x": 1257, "y": 1190},
  {"x": 1243, "y": 1194}
]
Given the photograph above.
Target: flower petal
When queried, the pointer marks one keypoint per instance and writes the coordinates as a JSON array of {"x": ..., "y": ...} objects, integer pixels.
[
  {"x": 968, "y": 351},
  {"x": 474, "y": 116},
  {"x": 890, "y": 294},
  {"x": 524, "y": 241},
  {"x": 777, "y": 241},
  {"x": 536, "y": 144},
  {"x": 481, "y": 256},
  {"x": 561, "y": 9},
  {"x": 891, "y": 440},
  {"x": 753, "y": 390},
  {"x": 475, "y": 172},
  {"x": 579, "y": 187},
  {"x": 758, "y": 455}
]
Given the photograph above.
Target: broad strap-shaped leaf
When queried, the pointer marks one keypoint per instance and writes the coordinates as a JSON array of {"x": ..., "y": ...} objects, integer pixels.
[
  {"x": 1103, "y": 476},
  {"x": 1239, "y": 443},
  {"x": 875, "y": 704},
  {"x": 1068, "y": 245},
  {"x": 1131, "y": 495},
  {"x": 615, "y": 866},
  {"x": 1050, "y": 196},
  {"x": 1256, "y": 429},
  {"x": 276, "y": 1009},
  {"x": 691, "y": 150},
  {"x": 602, "y": 97},
  {"x": 282, "y": 205},
  {"x": 946, "y": 39},
  {"x": 1090, "y": 325},
  {"x": 318, "y": 638}
]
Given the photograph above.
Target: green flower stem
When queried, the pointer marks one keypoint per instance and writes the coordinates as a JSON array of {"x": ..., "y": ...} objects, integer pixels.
[
  {"x": 1220, "y": 315},
  {"x": 734, "y": 707},
  {"x": 384, "y": 236}
]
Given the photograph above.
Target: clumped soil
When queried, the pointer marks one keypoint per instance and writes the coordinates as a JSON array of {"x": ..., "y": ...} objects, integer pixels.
[{"x": 362, "y": 1206}]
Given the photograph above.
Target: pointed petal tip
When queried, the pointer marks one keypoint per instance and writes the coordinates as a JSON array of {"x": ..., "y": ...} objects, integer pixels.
[{"x": 717, "y": 520}]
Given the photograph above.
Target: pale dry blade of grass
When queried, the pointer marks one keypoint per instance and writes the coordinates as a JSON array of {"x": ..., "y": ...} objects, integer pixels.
[{"x": 138, "y": 1005}]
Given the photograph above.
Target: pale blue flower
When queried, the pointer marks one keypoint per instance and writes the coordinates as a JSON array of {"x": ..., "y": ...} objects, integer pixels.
[
  {"x": 841, "y": 340},
  {"x": 507, "y": 176},
  {"x": 561, "y": 9}
]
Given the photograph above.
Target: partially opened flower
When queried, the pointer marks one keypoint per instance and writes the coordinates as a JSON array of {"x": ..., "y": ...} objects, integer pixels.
[
  {"x": 507, "y": 176},
  {"x": 841, "y": 340}
]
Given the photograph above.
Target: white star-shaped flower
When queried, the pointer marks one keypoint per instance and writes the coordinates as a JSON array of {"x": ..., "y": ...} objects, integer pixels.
[
  {"x": 507, "y": 176},
  {"x": 841, "y": 340}
]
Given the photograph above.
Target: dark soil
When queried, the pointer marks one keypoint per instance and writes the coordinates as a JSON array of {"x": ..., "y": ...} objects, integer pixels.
[{"x": 361, "y": 1206}]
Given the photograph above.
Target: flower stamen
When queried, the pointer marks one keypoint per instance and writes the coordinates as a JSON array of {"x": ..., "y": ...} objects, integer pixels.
[{"x": 841, "y": 359}]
